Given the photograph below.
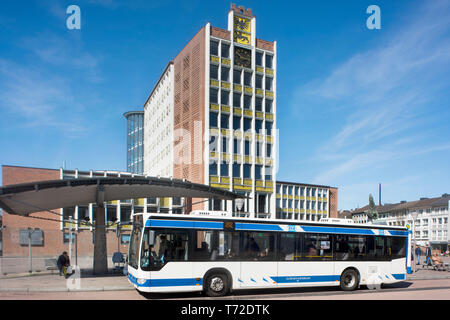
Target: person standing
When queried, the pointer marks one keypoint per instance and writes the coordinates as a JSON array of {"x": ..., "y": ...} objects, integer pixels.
[
  {"x": 418, "y": 255},
  {"x": 62, "y": 262}
]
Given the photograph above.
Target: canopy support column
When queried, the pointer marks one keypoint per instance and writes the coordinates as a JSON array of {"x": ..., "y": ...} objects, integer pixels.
[{"x": 100, "y": 251}]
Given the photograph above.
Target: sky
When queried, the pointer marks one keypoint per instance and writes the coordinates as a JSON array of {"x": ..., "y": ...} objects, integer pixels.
[{"x": 356, "y": 107}]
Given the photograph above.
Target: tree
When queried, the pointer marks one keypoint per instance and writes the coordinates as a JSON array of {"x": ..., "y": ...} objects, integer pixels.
[{"x": 372, "y": 211}]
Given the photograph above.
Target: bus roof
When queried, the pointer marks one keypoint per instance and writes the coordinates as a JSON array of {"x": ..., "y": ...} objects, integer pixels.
[{"x": 268, "y": 221}]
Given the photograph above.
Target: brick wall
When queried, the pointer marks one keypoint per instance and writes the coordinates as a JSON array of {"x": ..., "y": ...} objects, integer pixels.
[
  {"x": 333, "y": 202},
  {"x": 189, "y": 110}
]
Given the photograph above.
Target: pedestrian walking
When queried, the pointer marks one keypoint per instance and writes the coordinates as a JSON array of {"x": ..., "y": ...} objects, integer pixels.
[
  {"x": 428, "y": 254},
  {"x": 418, "y": 251}
]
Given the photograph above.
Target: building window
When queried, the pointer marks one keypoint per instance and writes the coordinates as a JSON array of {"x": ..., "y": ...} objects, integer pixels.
[
  {"x": 269, "y": 154},
  {"x": 236, "y": 170},
  {"x": 68, "y": 213},
  {"x": 213, "y": 95},
  {"x": 213, "y": 140},
  {"x": 258, "y": 126},
  {"x": 247, "y": 79},
  {"x": 214, "y": 48},
  {"x": 247, "y": 124},
  {"x": 268, "y": 173},
  {"x": 224, "y": 97},
  {"x": 83, "y": 213},
  {"x": 224, "y": 144},
  {"x": 237, "y": 76},
  {"x": 269, "y": 128},
  {"x": 111, "y": 213},
  {"x": 225, "y": 50},
  {"x": 247, "y": 148},
  {"x": 237, "y": 146},
  {"x": 269, "y": 83},
  {"x": 269, "y": 104},
  {"x": 259, "y": 58},
  {"x": 213, "y": 169},
  {"x": 213, "y": 119},
  {"x": 236, "y": 100},
  {"x": 224, "y": 121},
  {"x": 259, "y": 149},
  {"x": 214, "y": 72},
  {"x": 125, "y": 213},
  {"x": 224, "y": 169},
  {"x": 258, "y": 104},
  {"x": 247, "y": 102},
  {"x": 236, "y": 122},
  {"x": 258, "y": 81},
  {"x": 225, "y": 74},
  {"x": 247, "y": 171},
  {"x": 269, "y": 61}
]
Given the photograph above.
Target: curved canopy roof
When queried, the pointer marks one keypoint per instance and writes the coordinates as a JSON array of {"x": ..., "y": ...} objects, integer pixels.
[{"x": 26, "y": 198}]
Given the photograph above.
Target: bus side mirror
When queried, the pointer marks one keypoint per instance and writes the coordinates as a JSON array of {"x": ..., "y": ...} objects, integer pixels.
[{"x": 152, "y": 238}]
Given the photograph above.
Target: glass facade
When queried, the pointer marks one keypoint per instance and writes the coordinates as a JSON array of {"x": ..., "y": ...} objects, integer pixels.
[{"x": 135, "y": 141}]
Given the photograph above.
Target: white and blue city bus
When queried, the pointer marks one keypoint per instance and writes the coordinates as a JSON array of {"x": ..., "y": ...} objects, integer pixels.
[{"x": 210, "y": 252}]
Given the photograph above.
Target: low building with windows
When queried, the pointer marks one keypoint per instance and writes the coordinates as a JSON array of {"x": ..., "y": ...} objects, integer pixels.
[
  {"x": 306, "y": 202},
  {"x": 430, "y": 227},
  {"x": 55, "y": 225}
]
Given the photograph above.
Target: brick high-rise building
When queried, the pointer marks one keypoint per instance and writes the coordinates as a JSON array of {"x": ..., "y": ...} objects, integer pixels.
[{"x": 211, "y": 117}]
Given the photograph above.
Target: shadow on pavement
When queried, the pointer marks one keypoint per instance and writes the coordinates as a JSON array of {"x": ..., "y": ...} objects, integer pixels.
[
  {"x": 273, "y": 292},
  {"x": 89, "y": 273}
]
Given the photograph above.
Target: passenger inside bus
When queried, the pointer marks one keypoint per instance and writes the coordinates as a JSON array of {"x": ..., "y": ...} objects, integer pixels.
[
  {"x": 252, "y": 248},
  {"x": 311, "y": 251}
]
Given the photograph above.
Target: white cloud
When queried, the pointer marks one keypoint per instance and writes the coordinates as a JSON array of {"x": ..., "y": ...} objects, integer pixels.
[
  {"x": 384, "y": 96},
  {"x": 40, "y": 98}
]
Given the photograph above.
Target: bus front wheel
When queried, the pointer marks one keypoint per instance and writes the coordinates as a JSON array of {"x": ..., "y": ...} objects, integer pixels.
[
  {"x": 216, "y": 285},
  {"x": 349, "y": 280}
]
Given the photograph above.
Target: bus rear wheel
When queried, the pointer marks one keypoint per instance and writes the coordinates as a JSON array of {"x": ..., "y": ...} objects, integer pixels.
[
  {"x": 349, "y": 280},
  {"x": 216, "y": 285}
]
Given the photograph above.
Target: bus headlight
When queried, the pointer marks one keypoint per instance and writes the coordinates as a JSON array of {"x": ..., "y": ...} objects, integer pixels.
[{"x": 141, "y": 281}]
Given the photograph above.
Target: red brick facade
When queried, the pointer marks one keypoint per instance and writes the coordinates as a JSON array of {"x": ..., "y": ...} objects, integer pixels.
[
  {"x": 189, "y": 108},
  {"x": 333, "y": 202}
]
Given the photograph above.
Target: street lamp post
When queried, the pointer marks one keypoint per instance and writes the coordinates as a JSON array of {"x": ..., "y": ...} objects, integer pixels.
[
  {"x": 30, "y": 259},
  {"x": 414, "y": 217}
]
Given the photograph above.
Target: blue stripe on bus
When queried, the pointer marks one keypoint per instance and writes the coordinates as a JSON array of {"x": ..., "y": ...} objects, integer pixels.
[
  {"x": 354, "y": 231},
  {"x": 300, "y": 279},
  {"x": 208, "y": 225},
  {"x": 399, "y": 276},
  {"x": 398, "y": 233},
  {"x": 170, "y": 223},
  {"x": 257, "y": 226},
  {"x": 168, "y": 282},
  {"x": 337, "y": 230}
]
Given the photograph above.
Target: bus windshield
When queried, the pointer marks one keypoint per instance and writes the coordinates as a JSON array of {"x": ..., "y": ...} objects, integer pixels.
[{"x": 135, "y": 239}]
